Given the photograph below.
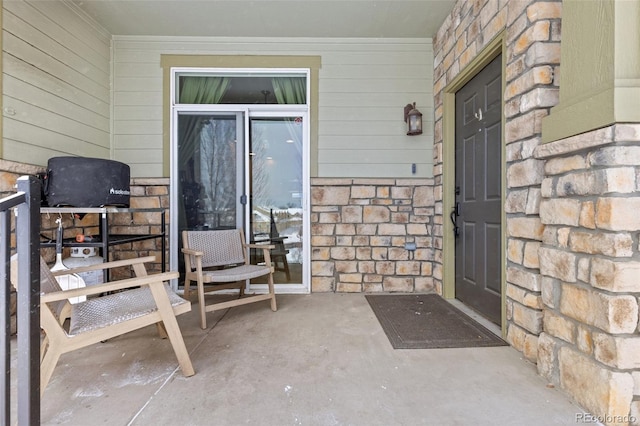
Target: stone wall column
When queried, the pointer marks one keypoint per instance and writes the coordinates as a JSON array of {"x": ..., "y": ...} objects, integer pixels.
[{"x": 590, "y": 265}]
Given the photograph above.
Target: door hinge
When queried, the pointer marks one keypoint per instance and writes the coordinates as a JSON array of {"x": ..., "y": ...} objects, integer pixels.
[{"x": 243, "y": 199}]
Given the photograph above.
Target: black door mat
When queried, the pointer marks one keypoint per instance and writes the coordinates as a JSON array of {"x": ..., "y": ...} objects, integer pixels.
[{"x": 427, "y": 321}]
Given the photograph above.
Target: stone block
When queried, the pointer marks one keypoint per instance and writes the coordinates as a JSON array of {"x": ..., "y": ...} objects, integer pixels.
[
  {"x": 559, "y": 326},
  {"x": 408, "y": 268},
  {"x": 424, "y": 285},
  {"x": 344, "y": 240},
  {"x": 525, "y": 173},
  {"x": 618, "y": 214},
  {"x": 560, "y": 165},
  {"x": 363, "y": 253},
  {"x": 560, "y": 211},
  {"x": 368, "y": 191},
  {"x": 531, "y": 259},
  {"x": 527, "y": 318},
  {"x": 620, "y": 180},
  {"x": 616, "y": 351},
  {"x": 398, "y": 253},
  {"x": 347, "y": 287},
  {"x": 547, "y": 187},
  {"x": 372, "y": 287},
  {"x": 584, "y": 339},
  {"x": 533, "y": 201},
  {"x": 379, "y": 253},
  {"x": 540, "y": 53},
  {"x": 391, "y": 229},
  {"x": 546, "y": 362},
  {"x": 588, "y": 215},
  {"x": 386, "y": 268},
  {"x": 530, "y": 347},
  {"x": 372, "y": 278},
  {"x": 424, "y": 254},
  {"x": 417, "y": 229},
  {"x": 550, "y": 292},
  {"x": 539, "y": 31},
  {"x": 615, "y": 276},
  {"x": 557, "y": 264},
  {"x": 322, "y": 229},
  {"x": 615, "y": 156},
  {"x": 525, "y": 227},
  {"x": 544, "y": 10},
  {"x": 383, "y": 192},
  {"x": 584, "y": 268},
  {"x": 612, "y": 313},
  {"x": 366, "y": 229},
  {"x": 329, "y": 217},
  {"x": 343, "y": 253},
  {"x": 398, "y": 284},
  {"x": 423, "y": 196},
  {"x": 367, "y": 267},
  {"x": 599, "y": 390},
  {"x": 330, "y": 195},
  {"x": 346, "y": 266},
  {"x": 320, "y": 253},
  {"x": 361, "y": 240},
  {"x": 401, "y": 192},
  {"x": 523, "y": 127},
  {"x": 523, "y": 278},
  {"x": 402, "y": 217},
  {"x": 322, "y": 269},
  {"x": 322, "y": 241},
  {"x": 352, "y": 214},
  {"x": 516, "y": 337},
  {"x": 515, "y": 250},
  {"x": 375, "y": 214},
  {"x": 322, "y": 284},
  {"x": 541, "y": 97},
  {"x": 350, "y": 278},
  {"x": 614, "y": 245},
  {"x": 516, "y": 201},
  {"x": 377, "y": 241}
]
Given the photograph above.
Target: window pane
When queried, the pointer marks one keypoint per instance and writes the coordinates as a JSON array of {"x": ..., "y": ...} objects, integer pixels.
[{"x": 251, "y": 89}]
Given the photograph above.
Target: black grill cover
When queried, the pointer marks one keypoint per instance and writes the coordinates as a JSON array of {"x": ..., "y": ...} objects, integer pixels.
[{"x": 86, "y": 182}]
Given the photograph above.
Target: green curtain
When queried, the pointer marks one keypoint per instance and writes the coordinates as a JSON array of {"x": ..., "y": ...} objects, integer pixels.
[
  {"x": 290, "y": 90},
  {"x": 203, "y": 90}
]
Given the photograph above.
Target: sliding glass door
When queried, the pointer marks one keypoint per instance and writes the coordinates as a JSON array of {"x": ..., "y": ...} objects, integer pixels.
[
  {"x": 239, "y": 155},
  {"x": 244, "y": 169},
  {"x": 276, "y": 191}
]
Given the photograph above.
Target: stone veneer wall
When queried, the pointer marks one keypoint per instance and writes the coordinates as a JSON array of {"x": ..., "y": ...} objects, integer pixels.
[
  {"x": 359, "y": 228},
  {"x": 532, "y": 56},
  {"x": 590, "y": 265}
]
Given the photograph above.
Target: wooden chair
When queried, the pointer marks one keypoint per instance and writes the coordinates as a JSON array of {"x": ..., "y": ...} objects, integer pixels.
[
  {"x": 130, "y": 304},
  {"x": 220, "y": 260}
]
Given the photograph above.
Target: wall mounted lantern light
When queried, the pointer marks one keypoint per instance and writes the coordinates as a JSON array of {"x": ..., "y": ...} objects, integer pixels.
[{"x": 413, "y": 118}]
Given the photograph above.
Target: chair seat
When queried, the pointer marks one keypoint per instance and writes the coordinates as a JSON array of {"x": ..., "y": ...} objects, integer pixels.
[
  {"x": 115, "y": 308},
  {"x": 238, "y": 273}
]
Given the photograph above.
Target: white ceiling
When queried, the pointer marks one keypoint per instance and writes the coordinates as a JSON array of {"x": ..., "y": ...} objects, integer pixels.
[{"x": 270, "y": 18}]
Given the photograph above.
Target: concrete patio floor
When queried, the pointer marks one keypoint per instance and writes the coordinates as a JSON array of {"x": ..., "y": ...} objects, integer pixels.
[{"x": 321, "y": 359}]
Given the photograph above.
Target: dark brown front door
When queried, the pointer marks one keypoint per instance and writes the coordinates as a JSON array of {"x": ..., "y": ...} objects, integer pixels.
[{"x": 477, "y": 212}]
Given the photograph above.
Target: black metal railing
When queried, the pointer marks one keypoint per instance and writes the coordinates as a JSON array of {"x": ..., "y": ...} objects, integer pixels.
[{"x": 26, "y": 204}]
